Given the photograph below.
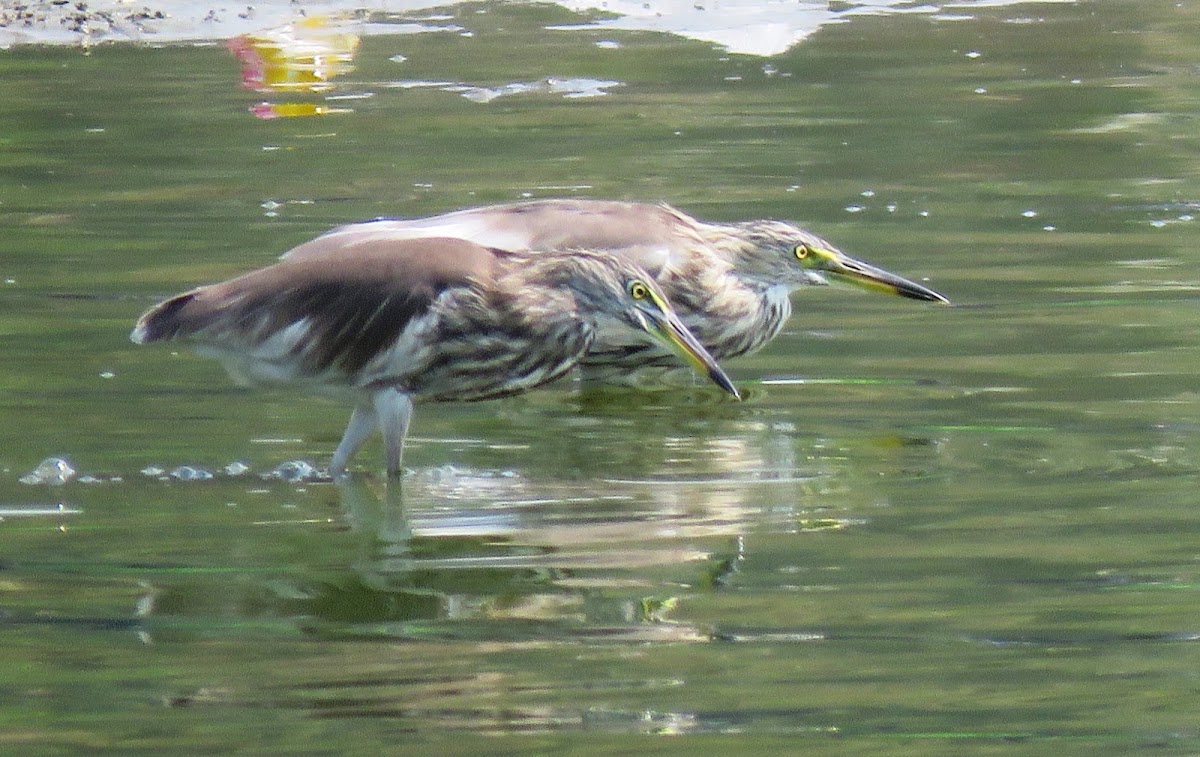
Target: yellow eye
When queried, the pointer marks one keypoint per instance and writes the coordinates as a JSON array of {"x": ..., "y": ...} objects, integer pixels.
[
  {"x": 638, "y": 290},
  {"x": 802, "y": 251}
]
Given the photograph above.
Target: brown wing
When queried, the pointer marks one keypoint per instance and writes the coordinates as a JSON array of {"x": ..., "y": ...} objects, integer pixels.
[
  {"x": 651, "y": 236},
  {"x": 346, "y": 302}
]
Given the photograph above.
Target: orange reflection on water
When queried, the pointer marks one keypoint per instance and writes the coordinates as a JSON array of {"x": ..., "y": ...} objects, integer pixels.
[{"x": 300, "y": 57}]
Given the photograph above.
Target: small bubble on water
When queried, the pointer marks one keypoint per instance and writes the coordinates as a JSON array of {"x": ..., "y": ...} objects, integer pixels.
[
  {"x": 295, "y": 471},
  {"x": 867, "y": 193},
  {"x": 1158, "y": 223},
  {"x": 442, "y": 473},
  {"x": 1030, "y": 214},
  {"x": 398, "y": 58},
  {"x": 608, "y": 44},
  {"x": 53, "y": 470},
  {"x": 236, "y": 468},
  {"x": 191, "y": 473},
  {"x": 107, "y": 374},
  {"x": 974, "y": 54},
  {"x": 854, "y": 208},
  {"x": 981, "y": 90}
]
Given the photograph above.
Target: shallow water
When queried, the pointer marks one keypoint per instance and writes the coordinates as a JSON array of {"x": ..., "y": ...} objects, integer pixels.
[{"x": 926, "y": 530}]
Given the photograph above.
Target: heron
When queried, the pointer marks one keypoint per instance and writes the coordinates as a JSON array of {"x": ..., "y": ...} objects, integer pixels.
[
  {"x": 386, "y": 323},
  {"x": 730, "y": 282}
]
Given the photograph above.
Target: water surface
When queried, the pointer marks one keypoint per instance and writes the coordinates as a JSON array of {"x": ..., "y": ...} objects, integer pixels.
[{"x": 927, "y": 530}]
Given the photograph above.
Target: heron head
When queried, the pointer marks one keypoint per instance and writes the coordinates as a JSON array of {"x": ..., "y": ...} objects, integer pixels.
[
  {"x": 620, "y": 290},
  {"x": 649, "y": 310},
  {"x": 781, "y": 253}
]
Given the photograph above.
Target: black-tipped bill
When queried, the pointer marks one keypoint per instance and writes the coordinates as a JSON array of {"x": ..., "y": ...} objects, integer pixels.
[
  {"x": 669, "y": 330},
  {"x": 869, "y": 277}
]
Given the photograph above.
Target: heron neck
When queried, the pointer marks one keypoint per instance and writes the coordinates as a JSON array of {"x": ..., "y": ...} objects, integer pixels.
[
  {"x": 550, "y": 283},
  {"x": 732, "y": 314},
  {"x": 725, "y": 241}
]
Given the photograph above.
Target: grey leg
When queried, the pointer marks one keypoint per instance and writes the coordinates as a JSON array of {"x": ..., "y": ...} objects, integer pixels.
[
  {"x": 362, "y": 423},
  {"x": 393, "y": 408}
]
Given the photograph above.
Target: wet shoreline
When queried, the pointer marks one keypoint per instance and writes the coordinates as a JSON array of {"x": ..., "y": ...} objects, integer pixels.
[{"x": 89, "y": 22}]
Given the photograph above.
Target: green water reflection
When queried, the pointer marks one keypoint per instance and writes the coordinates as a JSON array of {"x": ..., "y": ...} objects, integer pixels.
[{"x": 926, "y": 531}]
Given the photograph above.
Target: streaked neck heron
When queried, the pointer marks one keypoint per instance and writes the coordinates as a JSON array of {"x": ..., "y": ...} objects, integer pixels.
[
  {"x": 388, "y": 322},
  {"x": 730, "y": 282}
]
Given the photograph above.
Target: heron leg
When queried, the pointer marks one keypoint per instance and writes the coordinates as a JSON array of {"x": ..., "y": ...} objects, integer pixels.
[
  {"x": 393, "y": 409},
  {"x": 362, "y": 423}
]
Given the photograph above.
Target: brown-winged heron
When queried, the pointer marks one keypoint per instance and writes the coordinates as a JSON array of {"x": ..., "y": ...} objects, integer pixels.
[
  {"x": 389, "y": 321},
  {"x": 729, "y": 282}
]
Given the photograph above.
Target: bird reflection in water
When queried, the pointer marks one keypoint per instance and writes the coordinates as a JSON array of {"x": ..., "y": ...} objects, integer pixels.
[{"x": 531, "y": 558}]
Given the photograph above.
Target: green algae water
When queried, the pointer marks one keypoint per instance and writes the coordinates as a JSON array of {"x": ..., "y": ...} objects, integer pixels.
[{"x": 927, "y": 530}]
